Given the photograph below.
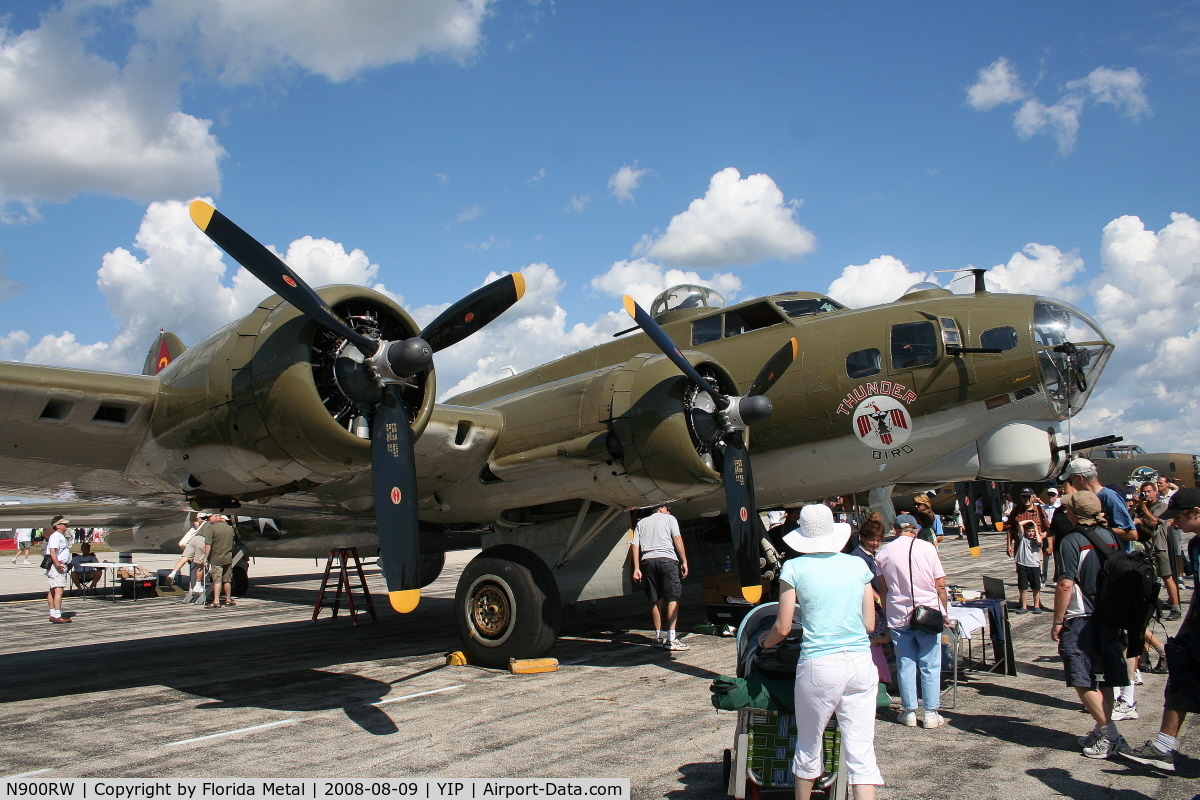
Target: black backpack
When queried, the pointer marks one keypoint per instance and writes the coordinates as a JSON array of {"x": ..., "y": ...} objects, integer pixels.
[{"x": 1126, "y": 588}]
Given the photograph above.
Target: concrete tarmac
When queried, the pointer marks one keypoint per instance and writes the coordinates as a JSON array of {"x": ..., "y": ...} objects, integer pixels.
[{"x": 157, "y": 689}]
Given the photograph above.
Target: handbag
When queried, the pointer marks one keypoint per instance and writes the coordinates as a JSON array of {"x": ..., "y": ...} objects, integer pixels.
[
  {"x": 924, "y": 618},
  {"x": 47, "y": 562}
]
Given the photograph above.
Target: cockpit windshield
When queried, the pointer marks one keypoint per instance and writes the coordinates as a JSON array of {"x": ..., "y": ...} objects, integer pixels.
[
  {"x": 686, "y": 296},
  {"x": 1071, "y": 353}
]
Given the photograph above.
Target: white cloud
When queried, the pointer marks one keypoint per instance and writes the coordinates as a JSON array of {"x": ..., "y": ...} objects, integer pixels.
[
  {"x": 880, "y": 280},
  {"x": 1120, "y": 88},
  {"x": 8, "y": 287},
  {"x": 530, "y": 333},
  {"x": 625, "y": 181},
  {"x": 738, "y": 221},
  {"x": 998, "y": 83},
  {"x": 644, "y": 280},
  {"x": 180, "y": 285},
  {"x": 470, "y": 213},
  {"x": 1061, "y": 120},
  {"x": 578, "y": 203},
  {"x": 1040, "y": 269},
  {"x": 72, "y": 122},
  {"x": 542, "y": 174},
  {"x": 245, "y": 41},
  {"x": 1147, "y": 296}
]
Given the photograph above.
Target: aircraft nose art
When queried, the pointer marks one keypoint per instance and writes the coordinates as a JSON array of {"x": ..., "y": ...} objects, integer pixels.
[{"x": 1071, "y": 352}]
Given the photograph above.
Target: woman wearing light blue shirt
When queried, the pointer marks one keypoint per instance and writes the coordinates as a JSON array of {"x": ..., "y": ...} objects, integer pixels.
[{"x": 835, "y": 673}]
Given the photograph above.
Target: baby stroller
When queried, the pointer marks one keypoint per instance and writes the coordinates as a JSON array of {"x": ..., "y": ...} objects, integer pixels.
[{"x": 765, "y": 741}]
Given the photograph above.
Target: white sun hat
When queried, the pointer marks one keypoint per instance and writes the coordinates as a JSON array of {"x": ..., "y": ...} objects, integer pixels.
[{"x": 818, "y": 533}]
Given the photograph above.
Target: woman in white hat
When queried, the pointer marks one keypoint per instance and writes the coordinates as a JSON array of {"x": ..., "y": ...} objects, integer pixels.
[{"x": 835, "y": 674}]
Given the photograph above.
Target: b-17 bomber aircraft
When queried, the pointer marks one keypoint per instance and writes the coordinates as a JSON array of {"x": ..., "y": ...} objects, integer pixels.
[{"x": 317, "y": 412}]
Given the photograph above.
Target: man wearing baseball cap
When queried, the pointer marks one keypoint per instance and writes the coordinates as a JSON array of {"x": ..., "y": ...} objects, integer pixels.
[
  {"x": 1081, "y": 474},
  {"x": 1086, "y": 644},
  {"x": 1182, "y": 694}
]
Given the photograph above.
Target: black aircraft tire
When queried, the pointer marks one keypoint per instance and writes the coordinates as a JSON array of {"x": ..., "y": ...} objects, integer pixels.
[
  {"x": 239, "y": 583},
  {"x": 506, "y": 606}
]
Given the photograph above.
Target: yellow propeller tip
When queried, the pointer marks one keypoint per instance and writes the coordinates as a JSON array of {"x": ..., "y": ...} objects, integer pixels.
[
  {"x": 405, "y": 601},
  {"x": 201, "y": 213},
  {"x": 630, "y": 306},
  {"x": 974, "y": 552},
  {"x": 752, "y": 594},
  {"x": 795, "y": 348},
  {"x": 519, "y": 284}
]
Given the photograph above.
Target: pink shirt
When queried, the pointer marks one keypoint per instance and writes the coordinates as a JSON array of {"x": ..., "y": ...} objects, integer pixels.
[{"x": 900, "y": 600}]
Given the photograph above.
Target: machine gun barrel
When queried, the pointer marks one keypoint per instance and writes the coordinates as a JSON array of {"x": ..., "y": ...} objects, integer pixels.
[{"x": 1084, "y": 445}]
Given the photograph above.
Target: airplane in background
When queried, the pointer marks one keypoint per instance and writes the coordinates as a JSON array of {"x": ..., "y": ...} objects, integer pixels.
[{"x": 317, "y": 411}]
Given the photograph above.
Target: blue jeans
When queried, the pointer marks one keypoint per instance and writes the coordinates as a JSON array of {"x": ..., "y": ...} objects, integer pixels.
[{"x": 918, "y": 651}]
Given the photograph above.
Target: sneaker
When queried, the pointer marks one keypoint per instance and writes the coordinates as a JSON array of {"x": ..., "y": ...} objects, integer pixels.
[
  {"x": 1122, "y": 710},
  {"x": 27, "y": 562},
  {"x": 676, "y": 644},
  {"x": 1174, "y": 615},
  {"x": 1149, "y": 755},
  {"x": 1038, "y": 610},
  {"x": 659, "y": 641},
  {"x": 1090, "y": 740},
  {"x": 1103, "y": 747},
  {"x": 1161, "y": 667},
  {"x": 1137, "y": 677},
  {"x": 1021, "y": 611},
  {"x": 933, "y": 720},
  {"x": 908, "y": 718}
]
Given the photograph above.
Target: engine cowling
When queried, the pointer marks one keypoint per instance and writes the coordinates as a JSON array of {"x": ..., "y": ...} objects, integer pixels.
[
  {"x": 255, "y": 410},
  {"x": 641, "y": 427}
]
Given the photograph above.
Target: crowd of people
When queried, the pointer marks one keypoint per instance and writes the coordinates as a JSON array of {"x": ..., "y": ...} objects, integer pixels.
[{"x": 1093, "y": 547}]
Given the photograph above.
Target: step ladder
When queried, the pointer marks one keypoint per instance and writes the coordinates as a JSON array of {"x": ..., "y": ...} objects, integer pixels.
[{"x": 343, "y": 559}]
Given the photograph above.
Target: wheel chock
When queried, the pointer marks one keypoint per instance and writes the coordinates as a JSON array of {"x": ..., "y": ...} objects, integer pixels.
[
  {"x": 457, "y": 659},
  {"x": 527, "y": 666}
]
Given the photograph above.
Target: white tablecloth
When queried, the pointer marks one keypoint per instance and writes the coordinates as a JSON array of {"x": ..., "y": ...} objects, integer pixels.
[{"x": 971, "y": 619}]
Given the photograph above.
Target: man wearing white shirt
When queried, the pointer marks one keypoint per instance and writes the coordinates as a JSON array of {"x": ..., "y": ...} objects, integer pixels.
[
  {"x": 59, "y": 551},
  {"x": 24, "y": 539}
]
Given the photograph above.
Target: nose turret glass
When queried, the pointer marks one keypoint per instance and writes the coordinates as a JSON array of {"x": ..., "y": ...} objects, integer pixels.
[{"x": 1071, "y": 352}]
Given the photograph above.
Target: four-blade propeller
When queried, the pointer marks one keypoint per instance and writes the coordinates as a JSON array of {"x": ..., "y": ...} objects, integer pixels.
[
  {"x": 375, "y": 383},
  {"x": 733, "y": 415}
]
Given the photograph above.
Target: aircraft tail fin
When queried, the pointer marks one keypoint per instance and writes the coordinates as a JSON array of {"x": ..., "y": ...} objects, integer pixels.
[{"x": 166, "y": 348}]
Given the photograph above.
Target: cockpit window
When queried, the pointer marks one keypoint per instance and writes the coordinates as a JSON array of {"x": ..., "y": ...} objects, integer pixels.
[
  {"x": 914, "y": 344},
  {"x": 808, "y": 305},
  {"x": 686, "y": 296},
  {"x": 706, "y": 330},
  {"x": 999, "y": 338},
  {"x": 751, "y": 318}
]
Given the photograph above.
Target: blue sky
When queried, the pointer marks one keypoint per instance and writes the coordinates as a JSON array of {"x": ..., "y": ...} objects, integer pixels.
[{"x": 450, "y": 139}]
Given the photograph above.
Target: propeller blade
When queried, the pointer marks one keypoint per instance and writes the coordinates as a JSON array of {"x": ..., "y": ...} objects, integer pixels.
[
  {"x": 474, "y": 311},
  {"x": 668, "y": 348},
  {"x": 744, "y": 524},
  {"x": 394, "y": 480},
  {"x": 774, "y": 368},
  {"x": 278, "y": 276}
]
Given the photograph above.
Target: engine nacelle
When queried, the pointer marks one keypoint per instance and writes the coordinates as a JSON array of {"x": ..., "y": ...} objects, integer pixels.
[
  {"x": 255, "y": 410},
  {"x": 641, "y": 427}
]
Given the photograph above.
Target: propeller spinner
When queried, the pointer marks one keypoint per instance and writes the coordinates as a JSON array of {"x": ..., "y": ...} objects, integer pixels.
[
  {"x": 375, "y": 383},
  {"x": 732, "y": 416}
]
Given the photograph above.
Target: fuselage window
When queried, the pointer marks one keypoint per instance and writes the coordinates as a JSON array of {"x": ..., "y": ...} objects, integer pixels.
[
  {"x": 808, "y": 305},
  {"x": 999, "y": 338},
  {"x": 863, "y": 363},
  {"x": 706, "y": 330},
  {"x": 914, "y": 344}
]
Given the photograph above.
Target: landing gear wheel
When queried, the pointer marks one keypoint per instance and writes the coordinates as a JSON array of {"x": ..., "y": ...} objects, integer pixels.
[
  {"x": 506, "y": 606},
  {"x": 239, "y": 582}
]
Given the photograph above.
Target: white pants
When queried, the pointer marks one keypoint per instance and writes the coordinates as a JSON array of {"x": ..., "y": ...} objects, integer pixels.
[{"x": 846, "y": 684}]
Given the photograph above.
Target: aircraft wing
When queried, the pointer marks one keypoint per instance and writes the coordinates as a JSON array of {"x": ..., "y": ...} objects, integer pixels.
[{"x": 83, "y": 515}]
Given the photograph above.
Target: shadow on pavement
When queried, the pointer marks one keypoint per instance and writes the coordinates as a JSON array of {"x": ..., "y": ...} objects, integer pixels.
[{"x": 1061, "y": 782}]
